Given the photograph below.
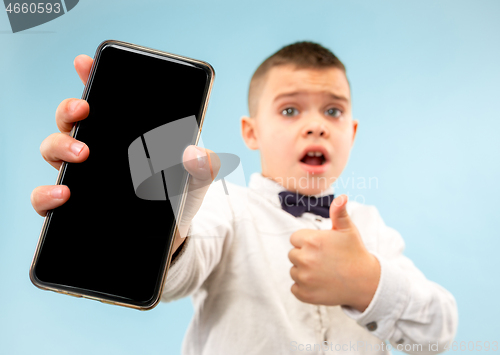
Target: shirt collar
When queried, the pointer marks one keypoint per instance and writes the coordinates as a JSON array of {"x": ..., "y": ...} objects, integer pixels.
[{"x": 270, "y": 189}]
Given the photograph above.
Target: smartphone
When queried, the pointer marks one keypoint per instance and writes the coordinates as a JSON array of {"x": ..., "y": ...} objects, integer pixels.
[{"x": 112, "y": 240}]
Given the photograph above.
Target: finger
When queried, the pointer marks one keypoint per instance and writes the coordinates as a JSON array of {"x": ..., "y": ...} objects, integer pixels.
[
  {"x": 48, "y": 197},
  {"x": 338, "y": 213},
  {"x": 59, "y": 147},
  {"x": 83, "y": 64},
  {"x": 296, "y": 291},
  {"x": 293, "y": 256},
  {"x": 297, "y": 239},
  {"x": 70, "y": 111},
  {"x": 203, "y": 164},
  {"x": 294, "y": 272}
]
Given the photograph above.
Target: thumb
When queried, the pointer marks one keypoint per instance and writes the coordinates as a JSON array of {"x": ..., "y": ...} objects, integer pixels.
[
  {"x": 203, "y": 165},
  {"x": 338, "y": 213}
]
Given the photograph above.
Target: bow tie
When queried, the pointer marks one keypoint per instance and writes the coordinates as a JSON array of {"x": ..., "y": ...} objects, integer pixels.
[{"x": 296, "y": 204}]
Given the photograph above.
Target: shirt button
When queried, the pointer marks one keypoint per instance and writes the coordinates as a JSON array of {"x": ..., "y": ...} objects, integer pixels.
[{"x": 371, "y": 326}]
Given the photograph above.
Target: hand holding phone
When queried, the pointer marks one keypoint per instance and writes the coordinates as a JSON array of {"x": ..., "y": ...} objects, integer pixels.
[
  {"x": 62, "y": 147},
  {"x": 59, "y": 147}
]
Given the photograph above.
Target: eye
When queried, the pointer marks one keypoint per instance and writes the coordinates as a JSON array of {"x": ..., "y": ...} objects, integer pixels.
[
  {"x": 334, "y": 112},
  {"x": 290, "y": 111}
]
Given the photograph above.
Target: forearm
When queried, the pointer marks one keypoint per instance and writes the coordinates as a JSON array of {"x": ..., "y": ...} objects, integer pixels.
[
  {"x": 201, "y": 251},
  {"x": 409, "y": 310}
]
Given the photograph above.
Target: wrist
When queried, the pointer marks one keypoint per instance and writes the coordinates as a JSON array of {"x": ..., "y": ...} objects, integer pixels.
[
  {"x": 180, "y": 236},
  {"x": 366, "y": 284}
]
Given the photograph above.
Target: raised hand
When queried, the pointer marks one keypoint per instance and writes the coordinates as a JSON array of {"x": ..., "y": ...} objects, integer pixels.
[
  {"x": 59, "y": 147},
  {"x": 333, "y": 267}
]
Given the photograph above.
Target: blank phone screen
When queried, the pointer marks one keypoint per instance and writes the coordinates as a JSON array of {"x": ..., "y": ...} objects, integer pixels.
[{"x": 106, "y": 241}]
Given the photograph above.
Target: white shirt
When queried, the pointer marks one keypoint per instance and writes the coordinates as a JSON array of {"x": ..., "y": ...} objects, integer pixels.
[{"x": 235, "y": 265}]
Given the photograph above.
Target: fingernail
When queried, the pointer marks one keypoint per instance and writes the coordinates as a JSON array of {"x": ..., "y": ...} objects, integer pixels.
[
  {"x": 73, "y": 105},
  {"x": 77, "y": 147},
  {"x": 57, "y": 192},
  {"x": 201, "y": 155}
]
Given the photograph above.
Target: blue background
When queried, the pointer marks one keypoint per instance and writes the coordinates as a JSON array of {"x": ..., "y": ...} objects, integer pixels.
[{"x": 425, "y": 85}]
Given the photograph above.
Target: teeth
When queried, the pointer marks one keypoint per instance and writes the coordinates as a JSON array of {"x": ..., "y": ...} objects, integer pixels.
[{"x": 312, "y": 154}]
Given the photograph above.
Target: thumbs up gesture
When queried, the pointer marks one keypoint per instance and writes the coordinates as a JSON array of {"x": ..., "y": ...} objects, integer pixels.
[{"x": 333, "y": 267}]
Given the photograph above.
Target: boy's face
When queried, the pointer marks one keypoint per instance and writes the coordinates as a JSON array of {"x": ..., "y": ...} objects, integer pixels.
[{"x": 303, "y": 127}]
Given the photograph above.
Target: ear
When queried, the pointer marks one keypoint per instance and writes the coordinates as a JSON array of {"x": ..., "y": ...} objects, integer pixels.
[
  {"x": 248, "y": 132},
  {"x": 355, "y": 129}
]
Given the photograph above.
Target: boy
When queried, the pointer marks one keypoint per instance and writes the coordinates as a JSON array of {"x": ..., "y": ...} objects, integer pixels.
[{"x": 282, "y": 267}]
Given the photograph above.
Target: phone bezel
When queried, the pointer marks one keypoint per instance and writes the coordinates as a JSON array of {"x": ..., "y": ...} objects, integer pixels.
[{"x": 98, "y": 296}]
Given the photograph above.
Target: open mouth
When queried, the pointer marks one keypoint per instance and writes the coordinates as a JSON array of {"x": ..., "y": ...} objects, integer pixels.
[{"x": 313, "y": 158}]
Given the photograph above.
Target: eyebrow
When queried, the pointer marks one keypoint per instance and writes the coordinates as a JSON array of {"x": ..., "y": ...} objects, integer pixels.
[{"x": 297, "y": 93}]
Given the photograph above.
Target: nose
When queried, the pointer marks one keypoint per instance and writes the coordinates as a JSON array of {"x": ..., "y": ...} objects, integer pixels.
[{"x": 315, "y": 129}]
